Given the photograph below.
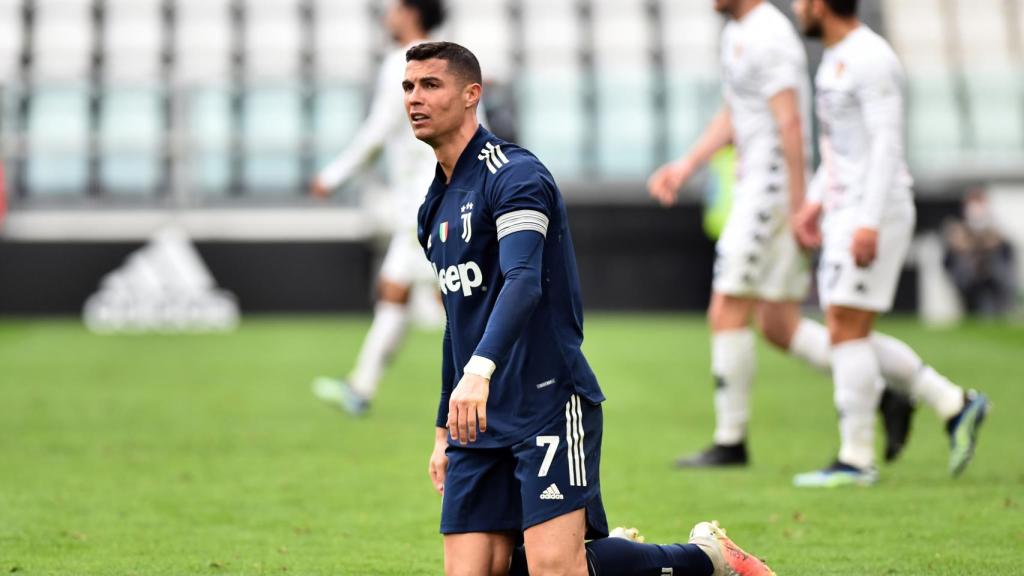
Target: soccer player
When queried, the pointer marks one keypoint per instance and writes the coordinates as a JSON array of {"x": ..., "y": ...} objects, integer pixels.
[
  {"x": 517, "y": 443},
  {"x": 410, "y": 168},
  {"x": 760, "y": 272},
  {"x": 863, "y": 191}
]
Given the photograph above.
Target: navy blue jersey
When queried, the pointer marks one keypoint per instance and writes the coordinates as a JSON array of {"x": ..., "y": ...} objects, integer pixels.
[{"x": 497, "y": 192}]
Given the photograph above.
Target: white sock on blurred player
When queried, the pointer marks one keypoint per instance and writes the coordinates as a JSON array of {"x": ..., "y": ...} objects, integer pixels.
[
  {"x": 901, "y": 367},
  {"x": 905, "y": 371},
  {"x": 389, "y": 322},
  {"x": 733, "y": 362},
  {"x": 810, "y": 343},
  {"x": 858, "y": 387}
]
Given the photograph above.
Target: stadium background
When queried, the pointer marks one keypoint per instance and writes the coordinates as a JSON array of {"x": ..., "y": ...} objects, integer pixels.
[{"x": 121, "y": 116}]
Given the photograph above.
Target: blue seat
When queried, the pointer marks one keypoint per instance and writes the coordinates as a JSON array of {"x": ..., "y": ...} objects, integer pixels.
[
  {"x": 551, "y": 121},
  {"x": 272, "y": 138},
  {"x": 208, "y": 141},
  {"x": 626, "y": 124},
  {"x": 935, "y": 133},
  {"x": 997, "y": 113},
  {"x": 340, "y": 110},
  {"x": 58, "y": 129},
  {"x": 130, "y": 136}
]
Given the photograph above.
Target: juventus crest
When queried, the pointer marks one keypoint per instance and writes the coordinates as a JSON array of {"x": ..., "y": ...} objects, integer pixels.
[{"x": 466, "y": 211}]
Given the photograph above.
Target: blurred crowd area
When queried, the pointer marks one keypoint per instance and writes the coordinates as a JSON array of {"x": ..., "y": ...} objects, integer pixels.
[{"x": 202, "y": 102}]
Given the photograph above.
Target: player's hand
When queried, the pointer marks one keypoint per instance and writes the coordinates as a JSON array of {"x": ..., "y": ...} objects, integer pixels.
[
  {"x": 806, "y": 225},
  {"x": 664, "y": 184},
  {"x": 438, "y": 467},
  {"x": 318, "y": 190},
  {"x": 864, "y": 246},
  {"x": 467, "y": 408}
]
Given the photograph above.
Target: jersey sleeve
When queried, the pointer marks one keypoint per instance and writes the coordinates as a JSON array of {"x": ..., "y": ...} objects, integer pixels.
[
  {"x": 779, "y": 71},
  {"x": 880, "y": 93},
  {"x": 447, "y": 378},
  {"x": 521, "y": 207},
  {"x": 387, "y": 112},
  {"x": 521, "y": 200}
]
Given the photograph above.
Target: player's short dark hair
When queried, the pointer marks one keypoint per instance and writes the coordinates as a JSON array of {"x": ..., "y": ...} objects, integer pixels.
[
  {"x": 461, "y": 62},
  {"x": 843, "y": 7},
  {"x": 432, "y": 12}
]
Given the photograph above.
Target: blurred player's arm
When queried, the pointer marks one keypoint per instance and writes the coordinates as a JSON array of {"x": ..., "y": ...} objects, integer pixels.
[
  {"x": 785, "y": 108},
  {"x": 438, "y": 465},
  {"x": 881, "y": 101},
  {"x": 386, "y": 112},
  {"x": 806, "y": 222},
  {"x": 664, "y": 184}
]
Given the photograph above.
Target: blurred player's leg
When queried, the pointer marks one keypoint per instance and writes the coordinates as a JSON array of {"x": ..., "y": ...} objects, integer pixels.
[
  {"x": 402, "y": 267},
  {"x": 808, "y": 340},
  {"x": 355, "y": 393},
  {"x": 733, "y": 364},
  {"x": 858, "y": 388},
  {"x": 384, "y": 337}
]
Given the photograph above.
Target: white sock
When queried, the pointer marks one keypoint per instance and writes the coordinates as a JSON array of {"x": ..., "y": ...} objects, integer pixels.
[
  {"x": 811, "y": 344},
  {"x": 935, "y": 390},
  {"x": 733, "y": 363},
  {"x": 858, "y": 387},
  {"x": 381, "y": 341},
  {"x": 904, "y": 370}
]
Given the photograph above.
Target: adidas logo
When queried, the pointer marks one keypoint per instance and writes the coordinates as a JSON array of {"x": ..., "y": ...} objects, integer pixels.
[
  {"x": 164, "y": 286},
  {"x": 551, "y": 493},
  {"x": 493, "y": 156}
]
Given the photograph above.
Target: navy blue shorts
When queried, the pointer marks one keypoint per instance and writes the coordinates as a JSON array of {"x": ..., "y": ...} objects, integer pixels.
[{"x": 545, "y": 476}]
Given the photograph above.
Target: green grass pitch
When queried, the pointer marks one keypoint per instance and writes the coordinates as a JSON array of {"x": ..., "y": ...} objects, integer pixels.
[{"x": 207, "y": 455}]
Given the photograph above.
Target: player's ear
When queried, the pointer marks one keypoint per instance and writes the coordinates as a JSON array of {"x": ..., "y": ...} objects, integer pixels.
[{"x": 471, "y": 94}]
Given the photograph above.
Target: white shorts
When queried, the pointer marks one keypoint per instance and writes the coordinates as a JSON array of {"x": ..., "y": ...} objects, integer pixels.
[
  {"x": 757, "y": 255},
  {"x": 404, "y": 263},
  {"x": 842, "y": 283}
]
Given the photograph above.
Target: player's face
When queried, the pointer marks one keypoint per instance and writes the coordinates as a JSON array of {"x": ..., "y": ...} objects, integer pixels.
[
  {"x": 396, "y": 19},
  {"x": 727, "y": 7},
  {"x": 809, "y": 16},
  {"x": 435, "y": 99}
]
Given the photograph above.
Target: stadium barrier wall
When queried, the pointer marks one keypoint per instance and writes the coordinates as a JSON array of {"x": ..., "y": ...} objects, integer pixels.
[{"x": 631, "y": 258}]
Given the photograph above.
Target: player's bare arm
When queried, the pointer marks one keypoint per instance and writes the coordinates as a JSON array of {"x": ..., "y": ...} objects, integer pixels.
[
  {"x": 437, "y": 468},
  {"x": 785, "y": 108},
  {"x": 664, "y": 184}
]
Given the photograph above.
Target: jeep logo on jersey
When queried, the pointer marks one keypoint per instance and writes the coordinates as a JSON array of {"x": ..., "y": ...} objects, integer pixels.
[{"x": 463, "y": 277}]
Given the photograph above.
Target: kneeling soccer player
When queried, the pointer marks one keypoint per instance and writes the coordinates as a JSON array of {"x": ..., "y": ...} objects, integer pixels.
[{"x": 518, "y": 400}]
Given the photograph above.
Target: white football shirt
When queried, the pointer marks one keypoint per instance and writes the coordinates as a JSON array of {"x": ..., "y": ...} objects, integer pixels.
[
  {"x": 860, "y": 112},
  {"x": 761, "y": 57},
  {"x": 409, "y": 162}
]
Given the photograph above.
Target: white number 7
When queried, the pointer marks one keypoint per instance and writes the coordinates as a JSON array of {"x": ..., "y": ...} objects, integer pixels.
[{"x": 552, "y": 444}]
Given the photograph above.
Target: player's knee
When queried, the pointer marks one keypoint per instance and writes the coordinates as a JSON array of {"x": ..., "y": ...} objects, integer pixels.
[
  {"x": 729, "y": 313},
  {"x": 775, "y": 332},
  {"x": 846, "y": 324},
  {"x": 454, "y": 568},
  {"x": 393, "y": 292}
]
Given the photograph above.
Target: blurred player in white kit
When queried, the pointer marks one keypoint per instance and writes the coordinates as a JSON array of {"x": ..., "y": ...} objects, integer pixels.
[
  {"x": 760, "y": 272},
  {"x": 862, "y": 196},
  {"x": 410, "y": 171}
]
